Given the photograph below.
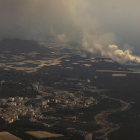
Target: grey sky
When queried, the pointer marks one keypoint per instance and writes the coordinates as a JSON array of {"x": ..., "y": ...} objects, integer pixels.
[{"x": 89, "y": 22}]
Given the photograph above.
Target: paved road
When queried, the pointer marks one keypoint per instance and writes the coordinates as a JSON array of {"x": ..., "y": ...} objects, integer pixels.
[{"x": 102, "y": 118}]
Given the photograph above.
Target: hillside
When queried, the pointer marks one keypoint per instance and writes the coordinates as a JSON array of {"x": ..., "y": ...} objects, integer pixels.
[{"x": 17, "y": 45}]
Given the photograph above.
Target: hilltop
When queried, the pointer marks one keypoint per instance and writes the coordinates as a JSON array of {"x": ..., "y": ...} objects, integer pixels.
[{"x": 17, "y": 45}]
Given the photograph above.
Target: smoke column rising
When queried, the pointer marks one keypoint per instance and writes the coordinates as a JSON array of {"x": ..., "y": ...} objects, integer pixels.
[
  {"x": 109, "y": 51},
  {"x": 96, "y": 25}
]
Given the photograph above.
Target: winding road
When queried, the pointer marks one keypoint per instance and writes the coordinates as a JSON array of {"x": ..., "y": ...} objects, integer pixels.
[{"x": 102, "y": 118}]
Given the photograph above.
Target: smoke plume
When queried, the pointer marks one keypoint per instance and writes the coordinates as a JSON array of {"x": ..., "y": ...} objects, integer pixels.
[
  {"x": 110, "y": 51},
  {"x": 94, "y": 24}
]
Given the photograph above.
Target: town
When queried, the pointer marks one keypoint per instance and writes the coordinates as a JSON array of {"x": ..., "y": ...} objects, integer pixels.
[{"x": 13, "y": 107}]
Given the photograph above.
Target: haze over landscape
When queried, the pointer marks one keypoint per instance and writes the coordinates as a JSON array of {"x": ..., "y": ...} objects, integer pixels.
[
  {"x": 69, "y": 69},
  {"x": 108, "y": 28}
]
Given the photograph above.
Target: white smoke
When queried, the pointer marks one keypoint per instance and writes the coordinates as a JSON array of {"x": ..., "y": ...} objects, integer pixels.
[
  {"x": 93, "y": 23},
  {"x": 123, "y": 57},
  {"x": 110, "y": 51}
]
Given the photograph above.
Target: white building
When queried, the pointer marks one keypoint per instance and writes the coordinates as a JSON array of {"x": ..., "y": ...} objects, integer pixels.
[
  {"x": 44, "y": 102},
  {"x": 32, "y": 120},
  {"x": 76, "y": 99},
  {"x": 11, "y": 99}
]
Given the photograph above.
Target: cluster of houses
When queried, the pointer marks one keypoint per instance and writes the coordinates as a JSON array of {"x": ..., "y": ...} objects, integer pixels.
[
  {"x": 63, "y": 99},
  {"x": 13, "y": 107}
]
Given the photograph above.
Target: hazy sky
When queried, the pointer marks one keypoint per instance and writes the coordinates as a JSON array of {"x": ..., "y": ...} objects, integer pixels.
[{"x": 95, "y": 24}]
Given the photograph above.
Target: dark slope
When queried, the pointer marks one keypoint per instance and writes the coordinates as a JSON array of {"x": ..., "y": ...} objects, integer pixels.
[{"x": 22, "y": 46}]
